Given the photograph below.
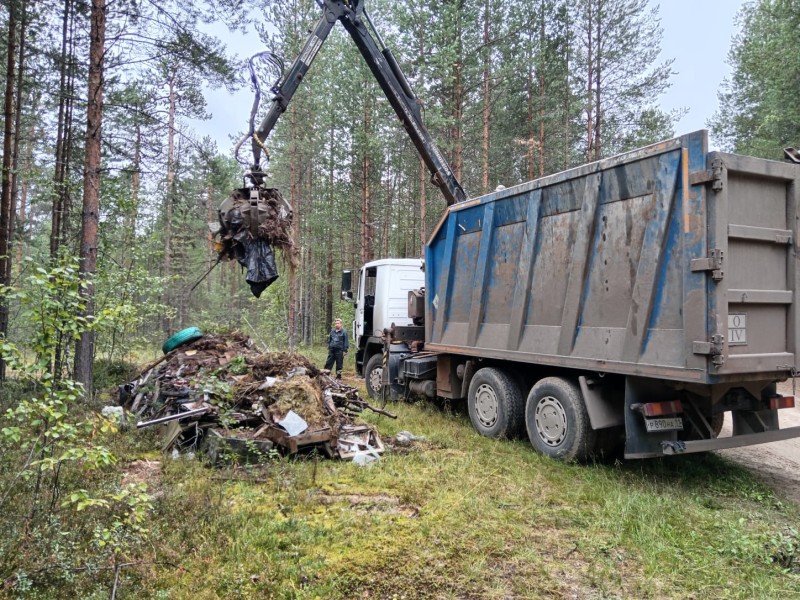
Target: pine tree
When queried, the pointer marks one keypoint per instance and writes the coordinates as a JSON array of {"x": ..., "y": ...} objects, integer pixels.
[
  {"x": 758, "y": 112},
  {"x": 618, "y": 44}
]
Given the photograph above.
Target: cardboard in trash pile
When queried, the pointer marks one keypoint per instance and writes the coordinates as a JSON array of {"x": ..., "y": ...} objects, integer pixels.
[{"x": 222, "y": 395}]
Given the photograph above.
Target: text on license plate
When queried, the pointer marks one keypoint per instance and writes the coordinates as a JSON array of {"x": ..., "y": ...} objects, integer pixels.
[{"x": 668, "y": 424}]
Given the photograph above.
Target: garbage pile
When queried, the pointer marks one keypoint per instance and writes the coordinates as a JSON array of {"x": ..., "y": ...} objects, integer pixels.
[{"x": 219, "y": 394}]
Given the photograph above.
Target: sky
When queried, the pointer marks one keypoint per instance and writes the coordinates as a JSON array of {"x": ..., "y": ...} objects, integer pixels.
[{"x": 697, "y": 34}]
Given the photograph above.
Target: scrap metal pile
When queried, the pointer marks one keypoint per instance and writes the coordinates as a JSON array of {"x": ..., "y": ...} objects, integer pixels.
[{"x": 220, "y": 395}]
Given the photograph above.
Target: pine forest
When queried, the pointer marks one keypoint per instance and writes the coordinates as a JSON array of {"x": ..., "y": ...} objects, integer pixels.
[{"x": 111, "y": 179}]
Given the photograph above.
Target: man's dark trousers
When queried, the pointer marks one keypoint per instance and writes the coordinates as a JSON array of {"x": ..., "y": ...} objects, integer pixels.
[{"x": 337, "y": 355}]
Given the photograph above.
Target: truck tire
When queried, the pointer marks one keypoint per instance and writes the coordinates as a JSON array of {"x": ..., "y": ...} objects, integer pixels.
[
  {"x": 557, "y": 422},
  {"x": 495, "y": 404},
  {"x": 373, "y": 376},
  {"x": 717, "y": 421}
]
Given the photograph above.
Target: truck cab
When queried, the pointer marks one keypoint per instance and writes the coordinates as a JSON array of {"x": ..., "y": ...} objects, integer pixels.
[{"x": 381, "y": 299}]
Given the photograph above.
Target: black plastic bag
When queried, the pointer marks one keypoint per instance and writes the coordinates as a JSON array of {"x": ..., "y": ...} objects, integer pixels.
[{"x": 257, "y": 257}]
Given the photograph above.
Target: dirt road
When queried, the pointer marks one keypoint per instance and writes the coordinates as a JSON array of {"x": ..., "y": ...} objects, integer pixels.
[{"x": 778, "y": 463}]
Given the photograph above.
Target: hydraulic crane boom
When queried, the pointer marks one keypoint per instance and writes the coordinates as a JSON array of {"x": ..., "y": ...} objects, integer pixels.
[{"x": 354, "y": 17}]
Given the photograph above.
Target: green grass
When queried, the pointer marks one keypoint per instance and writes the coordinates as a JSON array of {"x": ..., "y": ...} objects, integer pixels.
[
  {"x": 456, "y": 516},
  {"x": 462, "y": 516}
]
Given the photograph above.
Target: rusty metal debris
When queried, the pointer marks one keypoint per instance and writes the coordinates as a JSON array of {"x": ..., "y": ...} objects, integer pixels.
[{"x": 221, "y": 395}]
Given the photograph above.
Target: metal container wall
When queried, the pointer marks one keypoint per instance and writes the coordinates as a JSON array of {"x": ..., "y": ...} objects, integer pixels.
[{"x": 668, "y": 261}]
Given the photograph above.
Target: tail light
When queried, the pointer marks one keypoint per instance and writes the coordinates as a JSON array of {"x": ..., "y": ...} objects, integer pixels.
[
  {"x": 657, "y": 409},
  {"x": 777, "y": 401}
]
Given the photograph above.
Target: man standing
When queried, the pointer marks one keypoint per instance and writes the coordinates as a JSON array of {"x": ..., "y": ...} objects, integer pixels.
[{"x": 338, "y": 345}]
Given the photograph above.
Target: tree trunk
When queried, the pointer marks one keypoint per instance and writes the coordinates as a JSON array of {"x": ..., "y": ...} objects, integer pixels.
[
  {"x": 598, "y": 113},
  {"x": 487, "y": 65},
  {"x": 542, "y": 62},
  {"x": 332, "y": 231},
  {"x": 210, "y": 219},
  {"x": 58, "y": 176},
  {"x": 530, "y": 112},
  {"x": 458, "y": 117},
  {"x": 166, "y": 322},
  {"x": 5, "y": 187},
  {"x": 367, "y": 227},
  {"x": 590, "y": 83},
  {"x": 84, "y": 351},
  {"x": 26, "y": 176},
  {"x": 423, "y": 170},
  {"x": 291, "y": 317},
  {"x": 135, "y": 182},
  {"x": 15, "y": 166}
]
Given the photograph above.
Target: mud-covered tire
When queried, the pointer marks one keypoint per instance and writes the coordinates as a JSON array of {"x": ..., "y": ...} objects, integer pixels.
[
  {"x": 184, "y": 336},
  {"x": 716, "y": 423},
  {"x": 557, "y": 422},
  {"x": 495, "y": 404},
  {"x": 373, "y": 376}
]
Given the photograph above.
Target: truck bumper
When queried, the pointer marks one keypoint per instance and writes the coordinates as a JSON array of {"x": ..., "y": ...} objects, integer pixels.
[{"x": 750, "y": 439}]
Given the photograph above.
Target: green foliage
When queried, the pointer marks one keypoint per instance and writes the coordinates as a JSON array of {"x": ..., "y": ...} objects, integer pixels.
[
  {"x": 51, "y": 305},
  {"x": 759, "y": 114},
  {"x": 60, "y": 512}
]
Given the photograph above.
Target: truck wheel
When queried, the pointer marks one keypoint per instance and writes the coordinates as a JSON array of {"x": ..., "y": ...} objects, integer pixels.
[
  {"x": 373, "y": 375},
  {"x": 717, "y": 422},
  {"x": 557, "y": 422},
  {"x": 495, "y": 404}
]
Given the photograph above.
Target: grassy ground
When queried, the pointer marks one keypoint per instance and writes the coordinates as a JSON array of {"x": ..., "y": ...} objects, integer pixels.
[
  {"x": 461, "y": 516},
  {"x": 453, "y": 516}
]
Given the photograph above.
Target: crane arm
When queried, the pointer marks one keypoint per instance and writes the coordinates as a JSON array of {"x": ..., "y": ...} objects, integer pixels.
[{"x": 354, "y": 18}]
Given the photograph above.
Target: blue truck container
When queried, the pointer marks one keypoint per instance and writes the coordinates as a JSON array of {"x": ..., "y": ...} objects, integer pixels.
[{"x": 638, "y": 298}]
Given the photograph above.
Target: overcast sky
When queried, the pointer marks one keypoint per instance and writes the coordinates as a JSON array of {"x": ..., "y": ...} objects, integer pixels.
[{"x": 697, "y": 34}]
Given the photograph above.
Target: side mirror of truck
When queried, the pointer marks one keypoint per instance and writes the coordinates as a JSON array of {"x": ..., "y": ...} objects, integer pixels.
[{"x": 347, "y": 286}]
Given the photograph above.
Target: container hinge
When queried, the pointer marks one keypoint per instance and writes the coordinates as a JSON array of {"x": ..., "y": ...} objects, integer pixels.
[
  {"x": 712, "y": 176},
  {"x": 713, "y": 263},
  {"x": 713, "y": 348}
]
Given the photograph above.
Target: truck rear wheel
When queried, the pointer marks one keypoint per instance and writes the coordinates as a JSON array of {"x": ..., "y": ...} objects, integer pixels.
[
  {"x": 373, "y": 375},
  {"x": 495, "y": 404},
  {"x": 557, "y": 422}
]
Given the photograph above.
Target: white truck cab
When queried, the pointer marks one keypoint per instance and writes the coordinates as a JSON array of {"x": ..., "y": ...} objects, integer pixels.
[{"x": 381, "y": 299}]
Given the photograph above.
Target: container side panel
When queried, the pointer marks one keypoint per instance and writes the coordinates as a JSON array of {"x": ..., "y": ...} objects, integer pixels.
[
  {"x": 504, "y": 270},
  {"x": 522, "y": 288},
  {"x": 590, "y": 267},
  {"x": 465, "y": 258},
  {"x": 554, "y": 248},
  {"x": 615, "y": 258}
]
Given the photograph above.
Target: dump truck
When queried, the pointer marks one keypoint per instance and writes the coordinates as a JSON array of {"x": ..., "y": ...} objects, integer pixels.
[{"x": 635, "y": 300}]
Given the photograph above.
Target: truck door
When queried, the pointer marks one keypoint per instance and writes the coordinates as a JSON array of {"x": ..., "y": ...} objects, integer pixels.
[
  {"x": 757, "y": 277},
  {"x": 365, "y": 305}
]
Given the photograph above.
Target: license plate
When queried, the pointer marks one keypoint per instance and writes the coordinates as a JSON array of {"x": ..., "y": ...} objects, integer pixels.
[{"x": 669, "y": 424}]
